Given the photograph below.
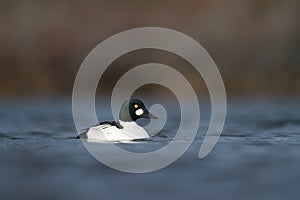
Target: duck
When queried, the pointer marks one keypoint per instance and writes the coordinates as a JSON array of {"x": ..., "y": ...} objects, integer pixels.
[{"x": 126, "y": 129}]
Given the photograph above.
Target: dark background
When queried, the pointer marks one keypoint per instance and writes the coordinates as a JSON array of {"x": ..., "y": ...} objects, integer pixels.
[{"x": 255, "y": 43}]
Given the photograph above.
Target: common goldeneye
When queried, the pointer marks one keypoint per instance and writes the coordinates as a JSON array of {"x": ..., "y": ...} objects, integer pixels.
[{"x": 126, "y": 129}]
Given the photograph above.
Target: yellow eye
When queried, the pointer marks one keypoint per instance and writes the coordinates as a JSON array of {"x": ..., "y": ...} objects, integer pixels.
[{"x": 136, "y": 106}]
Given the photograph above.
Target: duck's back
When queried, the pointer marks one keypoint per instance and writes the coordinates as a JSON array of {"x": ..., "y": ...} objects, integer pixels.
[{"x": 106, "y": 133}]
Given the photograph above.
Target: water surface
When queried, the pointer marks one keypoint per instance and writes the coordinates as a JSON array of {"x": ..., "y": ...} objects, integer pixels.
[{"x": 257, "y": 156}]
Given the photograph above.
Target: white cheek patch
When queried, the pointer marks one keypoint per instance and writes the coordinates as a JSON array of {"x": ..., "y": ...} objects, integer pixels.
[{"x": 139, "y": 112}]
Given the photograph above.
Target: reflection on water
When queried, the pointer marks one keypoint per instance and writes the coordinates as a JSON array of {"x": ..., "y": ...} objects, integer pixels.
[{"x": 257, "y": 157}]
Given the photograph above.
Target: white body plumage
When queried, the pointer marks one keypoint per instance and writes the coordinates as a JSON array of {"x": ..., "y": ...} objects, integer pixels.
[{"x": 107, "y": 132}]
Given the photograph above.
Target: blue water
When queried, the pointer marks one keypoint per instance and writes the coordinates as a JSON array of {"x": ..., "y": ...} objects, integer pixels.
[{"x": 257, "y": 156}]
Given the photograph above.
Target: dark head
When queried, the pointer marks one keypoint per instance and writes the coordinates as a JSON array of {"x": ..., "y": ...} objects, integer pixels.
[{"x": 134, "y": 109}]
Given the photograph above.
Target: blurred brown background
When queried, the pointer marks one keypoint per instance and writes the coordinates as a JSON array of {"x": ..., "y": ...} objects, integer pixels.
[{"x": 255, "y": 43}]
